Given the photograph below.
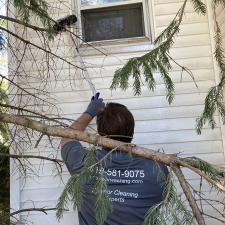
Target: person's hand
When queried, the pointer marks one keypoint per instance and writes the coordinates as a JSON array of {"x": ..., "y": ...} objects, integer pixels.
[{"x": 95, "y": 105}]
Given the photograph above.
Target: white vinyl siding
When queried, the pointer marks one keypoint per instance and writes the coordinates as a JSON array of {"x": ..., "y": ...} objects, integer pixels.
[
  {"x": 220, "y": 16},
  {"x": 158, "y": 125}
]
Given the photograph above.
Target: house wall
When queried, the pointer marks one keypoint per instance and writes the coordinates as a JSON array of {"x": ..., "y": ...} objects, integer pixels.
[
  {"x": 170, "y": 128},
  {"x": 220, "y": 15}
]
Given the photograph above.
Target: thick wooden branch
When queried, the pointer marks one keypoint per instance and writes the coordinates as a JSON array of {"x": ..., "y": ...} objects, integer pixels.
[
  {"x": 189, "y": 196},
  {"x": 167, "y": 159}
]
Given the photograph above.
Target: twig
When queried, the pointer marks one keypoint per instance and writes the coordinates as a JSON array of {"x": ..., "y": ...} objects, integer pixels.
[
  {"x": 103, "y": 158},
  {"x": 213, "y": 217},
  {"x": 200, "y": 173},
  {"x": 44, "y": 210},
  {"x": 184, "y": 69},
  {"x": 15, "y": 156},
  {"x": 39, "y": 47},
  {"x": 183, "y": 183}
]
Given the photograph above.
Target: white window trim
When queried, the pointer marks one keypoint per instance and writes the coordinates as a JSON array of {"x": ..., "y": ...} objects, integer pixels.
[{"x": 148, "y": 18}]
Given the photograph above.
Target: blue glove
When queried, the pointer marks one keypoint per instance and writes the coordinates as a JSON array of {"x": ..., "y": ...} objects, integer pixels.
[{"x": 95, "y": 105}]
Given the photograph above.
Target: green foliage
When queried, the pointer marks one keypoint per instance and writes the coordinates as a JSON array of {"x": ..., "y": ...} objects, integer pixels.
[
  {"x": 73, "y": 192},
  {"x": 93, "y": 173},
  {"x": 156, "y": 60},
  {"x": 215, "y": 98},
  {"x": 171, "y": 210},
  {"x": 199, "y": 6},
  {"x": 103, "y": 204},
  {"x": 205, "y": 167},
  {"x": 39, "y": 10},
  {"x": 159, "y": 60},
  {"x": 5, "y": 217}
]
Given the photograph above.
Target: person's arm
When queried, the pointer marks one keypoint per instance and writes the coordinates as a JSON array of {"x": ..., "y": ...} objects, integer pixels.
[{"x": 82, "y": 122}]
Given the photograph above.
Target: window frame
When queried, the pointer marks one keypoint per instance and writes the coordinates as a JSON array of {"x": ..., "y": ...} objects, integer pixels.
[{"x": 147, "y": 20}]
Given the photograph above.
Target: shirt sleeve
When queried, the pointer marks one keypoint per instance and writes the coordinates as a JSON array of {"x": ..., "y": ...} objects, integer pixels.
[{"x": 73, "y": 154}]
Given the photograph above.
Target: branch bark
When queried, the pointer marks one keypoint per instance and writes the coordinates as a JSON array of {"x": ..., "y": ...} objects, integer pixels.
[
  {"x": 167, "y": 159},
  {"x": 90, "y": 138},
  {"x": 189, "y": 196}
]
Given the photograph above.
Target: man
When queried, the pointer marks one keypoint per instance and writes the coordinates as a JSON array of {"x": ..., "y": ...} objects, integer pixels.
[{"x": 134, "y": 183}]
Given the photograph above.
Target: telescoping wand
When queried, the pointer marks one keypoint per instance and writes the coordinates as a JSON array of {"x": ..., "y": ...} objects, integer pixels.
[{"x": 61, "y": 26}]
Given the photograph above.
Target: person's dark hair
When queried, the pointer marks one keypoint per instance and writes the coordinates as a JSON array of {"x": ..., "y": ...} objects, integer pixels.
[{"x": 116, "y": 122}]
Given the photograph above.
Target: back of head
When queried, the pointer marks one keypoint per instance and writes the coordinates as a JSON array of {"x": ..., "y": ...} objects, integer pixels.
[{"x": 116, "y": 122}]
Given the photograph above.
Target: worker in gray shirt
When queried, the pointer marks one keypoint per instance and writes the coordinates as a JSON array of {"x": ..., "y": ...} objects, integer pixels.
[{"x": 134, "y": 183}]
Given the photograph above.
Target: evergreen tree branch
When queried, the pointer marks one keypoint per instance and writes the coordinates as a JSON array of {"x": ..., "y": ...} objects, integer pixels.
[
  {"x": 199, "y": 6},
  {"x": 39, "y": 47},
  {"x": 214, "y": 100},
  {"x": 36, "y": 8},
  {"x": 14, "y": 20},
  {"x": 103, "y": 204},
  {"x": 167, "y": 159},
  {"x": 211, "y": 180},
  {"x": 171, "y": 210},
  {"x": 41, "y": 29},
  {"x": 157, "y": 59},
  {"x": 183, "y": 183}
]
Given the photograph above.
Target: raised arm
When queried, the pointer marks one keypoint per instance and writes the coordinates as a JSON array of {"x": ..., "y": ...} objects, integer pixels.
[{"x": 82, "y": 122}]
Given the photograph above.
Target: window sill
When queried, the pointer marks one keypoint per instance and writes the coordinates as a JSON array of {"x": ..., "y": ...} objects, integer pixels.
[{"x": 124, "y": 45}]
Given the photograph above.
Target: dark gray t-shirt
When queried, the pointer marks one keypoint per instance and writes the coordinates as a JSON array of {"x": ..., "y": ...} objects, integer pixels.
[{"x": 134, "y": 185}]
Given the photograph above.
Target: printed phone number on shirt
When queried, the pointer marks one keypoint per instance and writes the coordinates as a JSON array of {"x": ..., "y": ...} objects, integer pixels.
[{"x": 125, "y": 173}]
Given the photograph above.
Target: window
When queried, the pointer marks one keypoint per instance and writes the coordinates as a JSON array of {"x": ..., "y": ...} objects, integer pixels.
[{"x": 113, "y": 19}]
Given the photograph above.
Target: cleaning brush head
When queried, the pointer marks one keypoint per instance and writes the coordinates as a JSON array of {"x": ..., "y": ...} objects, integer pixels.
[{"x": 63, "y": 23}]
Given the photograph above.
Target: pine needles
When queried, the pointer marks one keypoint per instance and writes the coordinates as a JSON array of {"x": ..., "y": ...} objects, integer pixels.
[
  {"x": 103, "y": 204},
  {"x": 171, "y": 210},
  {"x": 156, "y": 60},
  {"x": 159, "y": 60},
  {"x": 205, "y": 167},
  {"x": 73, "y": 191},
  {"x": 38, "y": 9},
  {"x": 215, "y": 98},
  {"x": 199, "y": 6}
]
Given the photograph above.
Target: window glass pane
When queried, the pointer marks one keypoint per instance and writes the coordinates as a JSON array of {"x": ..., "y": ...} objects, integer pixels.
[
  {"x": 97, "y": 2},
  {"x": 113, "y": 23}
]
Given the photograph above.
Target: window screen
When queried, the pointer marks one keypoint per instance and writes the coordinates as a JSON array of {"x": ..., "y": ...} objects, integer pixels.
[
  {"x": 96, "y": 2},
  {"x": 113, "y": 23}
]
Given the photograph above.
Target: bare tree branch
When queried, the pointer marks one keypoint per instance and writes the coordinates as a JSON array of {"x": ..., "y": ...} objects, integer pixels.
[
  {"x": 39, "y": 47},
  {"x": 44, "y": 210},
  {"x": 14, "y": 156},
  {"x": 167, "y": 159},
  {"x": 183, "y": 183}
]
